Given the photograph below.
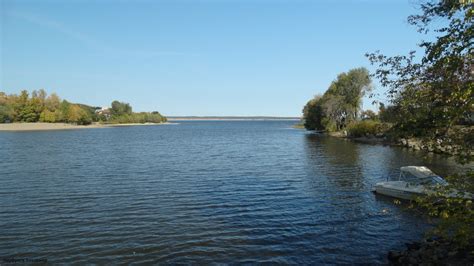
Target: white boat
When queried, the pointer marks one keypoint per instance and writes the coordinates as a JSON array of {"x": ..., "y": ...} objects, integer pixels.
[{"x": 413, "y": 181}]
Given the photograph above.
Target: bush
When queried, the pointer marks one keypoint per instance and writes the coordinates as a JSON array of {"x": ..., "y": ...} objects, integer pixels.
[
  {"x": 137, "y": 118},
  {"x": 366, "y": 128},
  {"x": 6, "y": 114},
  {"x": 47, "y": 116},
  {"x": 453, "y": 208}
]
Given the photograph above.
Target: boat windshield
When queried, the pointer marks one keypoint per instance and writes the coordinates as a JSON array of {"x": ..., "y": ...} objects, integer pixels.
[
  {"x": 433, "y": 180},
  {"x": 426, "y": 180}
]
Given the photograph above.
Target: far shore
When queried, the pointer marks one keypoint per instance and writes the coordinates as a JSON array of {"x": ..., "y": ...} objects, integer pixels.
[
  {"x": 62, "y": 126},
  {"x": 231, "y": 118}
]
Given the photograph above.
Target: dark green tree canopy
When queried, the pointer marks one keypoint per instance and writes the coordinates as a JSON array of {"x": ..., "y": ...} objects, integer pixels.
[
  {"x": 120, "y": 108},
  {"x": 340, "y": 104}
]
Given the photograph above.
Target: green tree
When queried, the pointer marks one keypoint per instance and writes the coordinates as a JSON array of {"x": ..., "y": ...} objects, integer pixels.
[
  {"x": 436, "y": 92},
  {"x": 6, "y": 109},
  {"x": 52, "y": 102},
  {"x": 313, "y": 114},
  {"x": 388, "y": 114},
  {"x": 6, "y": 114},
  {"x": 62, "y": 114},
  {"x": 120, "y": 108},
  {"x": 340, "y": 104},
  {"x": 78, "y": 115},
  {"x": 431, "y": 96},
  {"x": 48, "y": 116},
  {"x": 344, "y": 96}
]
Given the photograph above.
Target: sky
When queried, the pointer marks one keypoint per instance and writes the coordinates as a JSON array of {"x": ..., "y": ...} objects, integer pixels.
[{"x": 201, "y": 57}]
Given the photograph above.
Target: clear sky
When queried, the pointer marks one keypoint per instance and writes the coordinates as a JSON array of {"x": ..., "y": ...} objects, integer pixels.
[{"x": 203, "y": 57}]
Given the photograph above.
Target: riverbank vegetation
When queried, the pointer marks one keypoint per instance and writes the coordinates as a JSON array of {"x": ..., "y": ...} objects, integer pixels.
[
  {"x": 340, "y": 104},
  {"x": 431, "y": 99},
  {"x": 40, "y": 107},
  {"x": 434, "y": 99}
]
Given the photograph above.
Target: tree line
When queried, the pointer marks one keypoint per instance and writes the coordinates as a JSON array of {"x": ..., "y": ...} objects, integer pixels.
[{"x": 41, "y": 107}]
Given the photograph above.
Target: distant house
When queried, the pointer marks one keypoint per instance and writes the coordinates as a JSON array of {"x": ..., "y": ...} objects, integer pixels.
[{"x": 104, "y": 111}]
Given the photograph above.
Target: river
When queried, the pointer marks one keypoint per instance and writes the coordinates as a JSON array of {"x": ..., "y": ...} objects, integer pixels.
[{"x": 201, "y": 192}]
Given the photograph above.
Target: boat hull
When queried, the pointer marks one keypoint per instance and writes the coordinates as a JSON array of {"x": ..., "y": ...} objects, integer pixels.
[{"x": 399, "y": 192}]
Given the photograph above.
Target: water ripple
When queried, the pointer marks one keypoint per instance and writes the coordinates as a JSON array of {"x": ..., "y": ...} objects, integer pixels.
[{"x": 198, "y": 193}]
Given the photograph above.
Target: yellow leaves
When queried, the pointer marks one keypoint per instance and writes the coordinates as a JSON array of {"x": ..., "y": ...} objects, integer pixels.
[{"x": 444, "y": 215}]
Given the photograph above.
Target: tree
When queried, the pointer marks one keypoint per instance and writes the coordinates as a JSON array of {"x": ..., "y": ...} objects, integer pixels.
[
  {"x": 78, "y": 115},
  {"x": 368, "y": 115},
  {"x": 388, "y": 114},
  {"x": 48, "y": 116},
  {"x": 63, "y": 112},
  {"x": 52, "y": 102},
  {"x": 6, "y": 114},
  {"x": 351, "y": 86},
  {"x": 44, "y": 108},
  {"x": 6, "y": 110},
  {"x": 431, "y": 96},
  {"x": 337, "y": 112},
  {"x": 438, "y": 91},
  {"x": 340, "y": 104},
  {"x": 120, "y": 108},
  {"x": 313, "y": 114}
]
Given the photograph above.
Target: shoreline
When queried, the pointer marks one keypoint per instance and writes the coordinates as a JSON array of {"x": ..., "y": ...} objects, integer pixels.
[
  {"x": 431, "y": 251},
  {"x": 16, "y": 127},
  {"x": 231, "y": 119},
  {"x": 415, "y": 144}
]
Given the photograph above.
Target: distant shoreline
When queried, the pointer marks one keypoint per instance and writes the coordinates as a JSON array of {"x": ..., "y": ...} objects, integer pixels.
[
  {"x": 62, "y": 126},
  {"x": 40, "y": 126},
  {"x": 232, "y": 118}
]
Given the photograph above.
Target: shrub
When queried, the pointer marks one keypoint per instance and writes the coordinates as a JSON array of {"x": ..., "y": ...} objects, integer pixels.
[
  {"x": 47, "y": 116},
  {"x": 6, "y": 114},
  {"x": 366, "y": 128},
  {"x": 139, "y": 118}
]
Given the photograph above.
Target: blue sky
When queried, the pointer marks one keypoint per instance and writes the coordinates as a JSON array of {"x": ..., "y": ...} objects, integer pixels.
[{"x": 207, "y": 57}]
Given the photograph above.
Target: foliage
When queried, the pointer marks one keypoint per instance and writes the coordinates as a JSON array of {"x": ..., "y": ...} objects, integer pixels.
[
  {"x": 6, "y": 113},
  {"x": 366, "y": 128},
  {"x": 431, "y": 97},
  {"x": 48, "y": 116},
  {"x": 141, "y": 118},
  {"x": 120, "y": 108},
  {"x": 78, "y": 115},
  {"x": 39, "y": 107},
  {"x": 389, "y": 114},
  {"x": 453, "y": 208},
  {"x": 313, "y": 114},
  {"x": 340, "y": 104}
]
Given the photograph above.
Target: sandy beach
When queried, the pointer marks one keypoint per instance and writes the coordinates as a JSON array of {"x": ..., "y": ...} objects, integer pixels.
[{"x": 60, "y": 126}]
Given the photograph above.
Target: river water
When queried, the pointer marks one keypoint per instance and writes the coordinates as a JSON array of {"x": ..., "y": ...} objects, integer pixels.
[{"x": 201, "y": 192}]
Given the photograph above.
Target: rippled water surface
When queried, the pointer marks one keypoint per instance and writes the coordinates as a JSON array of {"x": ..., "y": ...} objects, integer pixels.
[{"x": 200, "y": 192}]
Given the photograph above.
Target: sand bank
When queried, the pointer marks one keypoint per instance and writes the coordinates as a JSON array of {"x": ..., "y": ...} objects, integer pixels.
[{"x": 60, "y": 126}]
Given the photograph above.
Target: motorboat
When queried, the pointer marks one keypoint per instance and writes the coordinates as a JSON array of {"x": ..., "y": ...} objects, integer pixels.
[{"x": 412, "y": 182}]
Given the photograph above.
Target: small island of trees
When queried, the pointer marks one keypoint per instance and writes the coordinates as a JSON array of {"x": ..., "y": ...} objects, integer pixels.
[{"x": 40, "y": 107}]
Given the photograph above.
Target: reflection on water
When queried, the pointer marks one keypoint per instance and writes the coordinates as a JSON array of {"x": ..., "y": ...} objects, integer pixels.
[{"x": 200, "y": 192}]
